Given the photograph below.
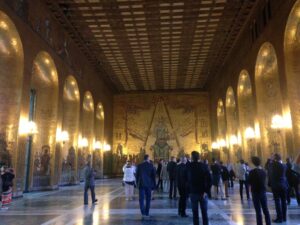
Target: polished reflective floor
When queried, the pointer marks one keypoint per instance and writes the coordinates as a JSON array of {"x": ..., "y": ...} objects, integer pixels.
[{"x": 64, "y": 207}]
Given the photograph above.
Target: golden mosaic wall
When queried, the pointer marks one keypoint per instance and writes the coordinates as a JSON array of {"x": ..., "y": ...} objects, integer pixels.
[{"x": 162, "y": 125}]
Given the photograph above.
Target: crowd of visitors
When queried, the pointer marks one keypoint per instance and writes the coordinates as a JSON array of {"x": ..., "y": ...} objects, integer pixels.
[
  {"x": 196, "y": 179},
  {"x": 6, "y": 184}
]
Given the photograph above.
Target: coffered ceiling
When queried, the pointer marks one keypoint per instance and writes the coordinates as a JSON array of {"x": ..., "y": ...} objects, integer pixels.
[{"x": 153, "y": 44}]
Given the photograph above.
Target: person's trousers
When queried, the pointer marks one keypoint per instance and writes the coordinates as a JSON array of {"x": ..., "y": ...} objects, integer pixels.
[
  {"x": 231, "y": 182},
  {"x": 165, "y": 186},
  {"x": 92, "y": 188},
  {"x": 195, "y": 200},
  {"x": 219, "y": 190},
  {"x": 182, "y": 201},
  {"x": 225, "y": 182},
  {"x": 159, "y": 184},
  {"x": 260, "y": 203},
  {"x": 129, "y": 191},
  {"x": 296, "y": 189},
  {"x": 172, "y": 191},
  {"x": 244, "y": 183},
  {"x": 145, "y": 193},
  {"x": 280, "y": 202}
]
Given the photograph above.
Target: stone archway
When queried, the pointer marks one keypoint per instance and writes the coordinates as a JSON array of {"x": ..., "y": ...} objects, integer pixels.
[
  {"x": 86, "y": 142},
  {"x": 269, "y": 100},
  {"x": 232, "y": 124},
  {"x": 44, "y": 92},
  {"x": 292, "y": 53},
  {"x": 247, "y": 115},
  {"x": 99, "y": 140},
  {"x": 221, "y": 119},
  {"x": 70, "y": 128},
  {"x": 11, "y": 80}
]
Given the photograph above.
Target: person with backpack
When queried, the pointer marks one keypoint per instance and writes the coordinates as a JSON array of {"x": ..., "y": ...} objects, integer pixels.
[{"x": 89, "y": 183}]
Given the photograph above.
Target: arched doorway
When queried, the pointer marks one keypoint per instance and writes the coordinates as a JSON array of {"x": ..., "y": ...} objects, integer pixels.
[
  {"x": 269, "y": 100},
  {"x": 99, "y": 141},
  {"x": 221, "y": 119},
  {"x": 246, "y": 115},
  {"x": 86, "y": 142},
  {"x": 69, "y": 131},
  {"x": 43, "y": 107},
  {"x": 11, "y": 80},
  {"x": 292, "y": 53},
  {"x": 232, "y": 125}
]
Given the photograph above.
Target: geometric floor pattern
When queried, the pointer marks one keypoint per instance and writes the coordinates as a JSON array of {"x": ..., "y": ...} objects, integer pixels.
[{"x": 65, "y": 207}]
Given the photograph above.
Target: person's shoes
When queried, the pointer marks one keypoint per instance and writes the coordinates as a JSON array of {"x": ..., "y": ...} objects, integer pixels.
[
  {"x": 95, "y": 202},
  {"x": 146, "y": 217},
  {"x": 184, "y": 215},
  {"x": 170, "y": 197},
  {"x": 277, "y": 221}
]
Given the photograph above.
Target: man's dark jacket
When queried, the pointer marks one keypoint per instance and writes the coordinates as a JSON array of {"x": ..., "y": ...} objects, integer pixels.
[
  {"x": 145, "y": 175},
  {"x": 171, "y": 168}
]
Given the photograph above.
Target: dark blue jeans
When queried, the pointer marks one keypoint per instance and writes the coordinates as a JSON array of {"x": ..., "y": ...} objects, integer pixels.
[
  {"x": 196, "y": 199},
  {"x": 280, "y": 202},
  {"x": 260, "y": 203},
  {"x": 145, "y": 192},
  {"x": 86, "y": 188}
]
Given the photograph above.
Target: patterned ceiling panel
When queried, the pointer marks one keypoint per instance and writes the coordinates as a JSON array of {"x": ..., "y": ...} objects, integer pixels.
[{"x": 152, "y": 44}]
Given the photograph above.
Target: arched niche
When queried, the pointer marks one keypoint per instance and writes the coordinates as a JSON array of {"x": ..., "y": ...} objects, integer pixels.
[
  {"x": 221, "y": 120},
  {"x": 43, "y": 110},
  {"x": 269, "y": 100},
  {"x": 99, "y": 140},
  {"x": 232, "y": 123},
  {"x": 86, "y": 142},
  {"x": 11, "y": 80},
  {"x": 292, "y": 54},
  {"x": 70, "y": 126},
  {"x": 246, "y": 114}
]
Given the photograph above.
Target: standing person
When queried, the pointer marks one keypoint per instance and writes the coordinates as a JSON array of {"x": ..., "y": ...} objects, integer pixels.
[
  {"x": 165, "y": 177},
  {"x": 293, "y": 181},
  {"x": 199, "y": 181},
  {"x": 129, "y": 180},
  {"x": 182, "y": 186},
  {"x": 231, "y": 175},
  {"x": 89, "y": 183},
  {"x": 225, "y": 178},
  {"x": 216, "y": 180},
  {"x": 145, "y": 178},
  {"x": 7, "y": 183},
  {"x": 209, "y": 190},
  {"x": 172, "y": 177},
  {"x": 241, "y": 174},
  {"x": 257, "y": 180},
  {"x": 279, "y": 188},
  {"x": 159, "y": 185}
]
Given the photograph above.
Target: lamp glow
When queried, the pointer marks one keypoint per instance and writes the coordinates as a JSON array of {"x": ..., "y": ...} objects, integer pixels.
[
  {"x": 215, "y": 145},
  {"x": 222, "y": 143},
  {"x": 63, "y": 136},
  {"x": 97, "y": 145},
  {"x": 27, "y": 127},
  {"x": 233, "y": 140},
  {"x": 277, "y": 122},
  {"x": 249, "y": 133},
  {"x": 106, "y": 147},
  {"x": 84, "y": 142}
]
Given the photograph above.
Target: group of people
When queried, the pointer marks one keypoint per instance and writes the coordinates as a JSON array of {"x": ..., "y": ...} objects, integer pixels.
[
  {"x": 195, "y": 179},
  {"x": 6, "y": 184}
]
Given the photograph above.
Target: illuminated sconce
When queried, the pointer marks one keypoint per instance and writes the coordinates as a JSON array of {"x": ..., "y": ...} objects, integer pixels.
[
  {"x": 106, "y": 147},
  {"x": 249, "y": 133},
  {"x": 63, "y": 136},
  {"x": 27, "y": 128},
  {"x": 97, "y": 145},
  {"x": 215, "y": 145},
  {"x": 233, "y": 140},
  {"x": 83, "y": 142},
  {"x": 222, "y": 143},
  {"x": 278, "y": 122}
]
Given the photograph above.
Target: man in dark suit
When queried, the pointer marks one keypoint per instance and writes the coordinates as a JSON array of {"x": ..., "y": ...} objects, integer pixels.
[
  {"x": 171, "y": 168},
  {"x": 181, "y": 179},
  {"x": 159, "y": 185},
  {"x": 279, "y": 188},
  {"x": 145, "y": 178},
  {"x": 199, "y": 181}
]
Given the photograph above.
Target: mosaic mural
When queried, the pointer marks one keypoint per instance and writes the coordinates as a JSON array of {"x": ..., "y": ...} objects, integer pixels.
[{"x": 161, "y": 125}]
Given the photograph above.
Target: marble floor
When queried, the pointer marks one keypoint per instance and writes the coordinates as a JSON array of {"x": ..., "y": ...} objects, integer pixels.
[{"x": 64, "y": 207}]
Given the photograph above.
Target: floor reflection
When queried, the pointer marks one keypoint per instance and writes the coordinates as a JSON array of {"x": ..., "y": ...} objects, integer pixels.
[{"x": 65, "y": 207}]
